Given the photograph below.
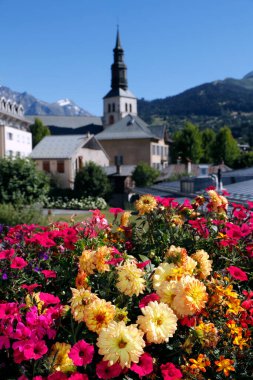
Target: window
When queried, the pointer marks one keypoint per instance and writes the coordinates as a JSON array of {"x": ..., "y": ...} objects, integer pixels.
[
  {"x": 158, "y": 150},
  {"x": 46, "y": 166},
  {"x": 126, "y": 107},
  {"x": 60, "y": 166},
  {"x": 162, "y": 151},
  {"x": 18, "y": 154},
  {"x": 111, "y": 119},
  {"x": 130, "y": 107},
  {"x": 109, "y": 108},
  {"x": 10, "y": 136},
  {"x": 153, "y": 149},
  {"x": 113, "y": 107}
]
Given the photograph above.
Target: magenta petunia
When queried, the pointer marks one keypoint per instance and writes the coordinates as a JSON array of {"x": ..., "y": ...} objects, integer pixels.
[
  {"x": 145, "y": 365},
  {"x": 116, "y": 210},
  {"x": 78, "y": 376},
  {"x": 18, "y": 263},
  {"x": 170, "y": 372},
  {"x": 49, "y": 273},
  {"x": 57, "y": 376},
  {"x": 30, "y": 288},
  {"x": 150, "y": 297},
  {"x": 81, "y": 353},
  {"x": 48, "y": 298},
  {"x": 237, "y": 273},
  {"x": 104, "y": 371}
]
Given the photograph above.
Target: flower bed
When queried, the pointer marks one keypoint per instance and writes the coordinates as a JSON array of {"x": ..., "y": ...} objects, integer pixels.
[{"x": 166, "y": 297}]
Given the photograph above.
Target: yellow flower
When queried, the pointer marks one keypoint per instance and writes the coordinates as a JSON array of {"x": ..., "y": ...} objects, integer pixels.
[
  {"x": 167, "y": 291},
  {"x": 146, "y": 204},
  {"x": 207, "y": 334},
  {"x": 121, "y": 344},
  {"x": 201, "y": 363},
  {"x": 225, "y": 365},
  {"x": 80, "y": 299},
  {"x": 158, "y": 322},
  {"x": 130, "y": 279},
  {"x": 240, "y": 341},
  {"x": 176, "y": 255},
  {"x": 86, "y": 261},
  {"x": 124, "y": 220},
  {"x": 204, "y": 265},
  {"x": 102, "y": 255},
  {"x": 59, "y": 359},
  {"x": 98, "y": 314},
  {"x": 191, "y": 296},
  {"x": 189, "y": 266},
  {"x": 34, "y": 299},
  {"x": 81, "y": 280},
  {"x": 166, "y": 272}
]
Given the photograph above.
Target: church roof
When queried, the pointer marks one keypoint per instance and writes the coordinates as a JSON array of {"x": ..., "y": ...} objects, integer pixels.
[
  {"x": 130, "y": 127},
  {"x": 63, "y": 147},
  {"x": 119, "y": 92}
]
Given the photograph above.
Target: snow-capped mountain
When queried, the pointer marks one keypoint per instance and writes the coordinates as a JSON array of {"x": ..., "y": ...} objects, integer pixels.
[{"x": 34, "y": 106}]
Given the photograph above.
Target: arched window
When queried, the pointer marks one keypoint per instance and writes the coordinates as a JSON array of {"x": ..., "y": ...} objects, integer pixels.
[
  {"x": 130, "y": 106},
  {"x": 126, "y": 107},
  {"x": 113, "y": 107},
  {"x": 109, "y": 108}
]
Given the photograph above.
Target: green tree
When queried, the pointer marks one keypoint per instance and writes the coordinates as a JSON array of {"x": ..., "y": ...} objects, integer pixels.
[
  {"x": 38, "y": 130},
  {"x": 225, "y": 148},
  {"x": 92, "y": 180},
  {"x": 144, "y": 175},
  {"x": 208, "y": 139},
  {"x": 21, "y": 182},
  {"x": 187, "y": 144}
]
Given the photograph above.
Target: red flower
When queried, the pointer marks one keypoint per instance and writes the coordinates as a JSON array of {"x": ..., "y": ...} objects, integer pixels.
[
  {"x": 104, "y": 371},
  {"x": 237, "y": 273},
  {"x": 18, "y": 263},
  {"x": 78, "y": 376},
  {"x": 170, "y": 372},
  {"x": 57, "y": 376},
  {"x": 150, "y": 297},
  {"x": 143, "y": 264},
  {"x": 81, "y": 353},
  {"x": 49, "y": 273},
  {"x": 30, "y": 288},
  {"x": 116, "y": 210},
  {"x": 145, "y": 365}
]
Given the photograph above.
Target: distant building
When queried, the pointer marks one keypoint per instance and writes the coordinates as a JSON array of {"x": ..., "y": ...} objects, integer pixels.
[
  {"x": 63, "y": 156},
  {"x": 15, "y": 137}
]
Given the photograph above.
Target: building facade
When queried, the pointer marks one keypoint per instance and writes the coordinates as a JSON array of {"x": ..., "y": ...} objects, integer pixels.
[{"x": 15, "y": 137}]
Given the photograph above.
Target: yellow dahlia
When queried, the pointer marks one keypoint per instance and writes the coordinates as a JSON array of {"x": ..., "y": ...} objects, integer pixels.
[
  {"x": 59, "y": 359},
  {"x": 166, "y": 272},
  {"x": 158, "y": 322},
  {"x": 204, "y": 265},
  {"x": 146, "y": 204},
  {"x": 176, "y": 255},
  {"x": 191, "y": 296},
  {"x": 121, "y": 344},
  {"x": 102, "y": 255},
  {"x": 130, "y": 279},
  {"x": 86, "y": 261},
  {"x": 98, "y": 314},
  {"x": 80, "y": 299},
  {"x": 124, "y": 220},
  {"x": 167, "y": 291}
]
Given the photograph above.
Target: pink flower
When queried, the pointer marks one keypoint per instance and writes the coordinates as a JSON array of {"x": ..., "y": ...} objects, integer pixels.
[
  {"x": 104, "y": 371},
  {"x": 81, "y": 353},
  {"x": 38, "y": 378},
  {"x": 145, "y": 365},
  {"x": 49, "y": 273},
  {"x": 150, "y": 297},
  {"x": 170, "y": 372},
  {"x": 18, "y": 263},
  {"x": 35, "y": 350},
  {"x": 4, "y": 342},
  {"x": 48, "y": 298},
  {"x": 143, "y": 264},
  {"x": 237, "y": 273},
  {"x": 78, "y": 376},
  {"x": 116, "y": 210},
  {"x": 23, "y": 377},
  {"x": 7, "y": 254}
]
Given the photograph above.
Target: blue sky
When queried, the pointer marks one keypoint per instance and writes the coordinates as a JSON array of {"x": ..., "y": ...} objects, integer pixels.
[{"x": 56, "y": 49}]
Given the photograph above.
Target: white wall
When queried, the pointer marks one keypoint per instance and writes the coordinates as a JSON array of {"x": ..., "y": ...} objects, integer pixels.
[{"x": 17, "y": 142}]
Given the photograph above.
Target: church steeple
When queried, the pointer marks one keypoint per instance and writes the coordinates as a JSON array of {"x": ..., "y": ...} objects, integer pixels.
[{"x": 118, "y": 68}]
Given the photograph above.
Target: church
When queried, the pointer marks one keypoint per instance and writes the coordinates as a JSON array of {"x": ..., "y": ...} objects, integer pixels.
[{"x": 124, "y": 136}]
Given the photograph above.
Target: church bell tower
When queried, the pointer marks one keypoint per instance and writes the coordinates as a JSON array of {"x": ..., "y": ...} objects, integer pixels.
[{"x": 119, "y": 101}]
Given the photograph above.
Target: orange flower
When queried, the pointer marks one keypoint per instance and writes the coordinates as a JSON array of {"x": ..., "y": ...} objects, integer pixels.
[
  {"x": 240, "y": 341},
  {"x": 201, "y": 363},
  {"x": 225, "y": 365}
]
